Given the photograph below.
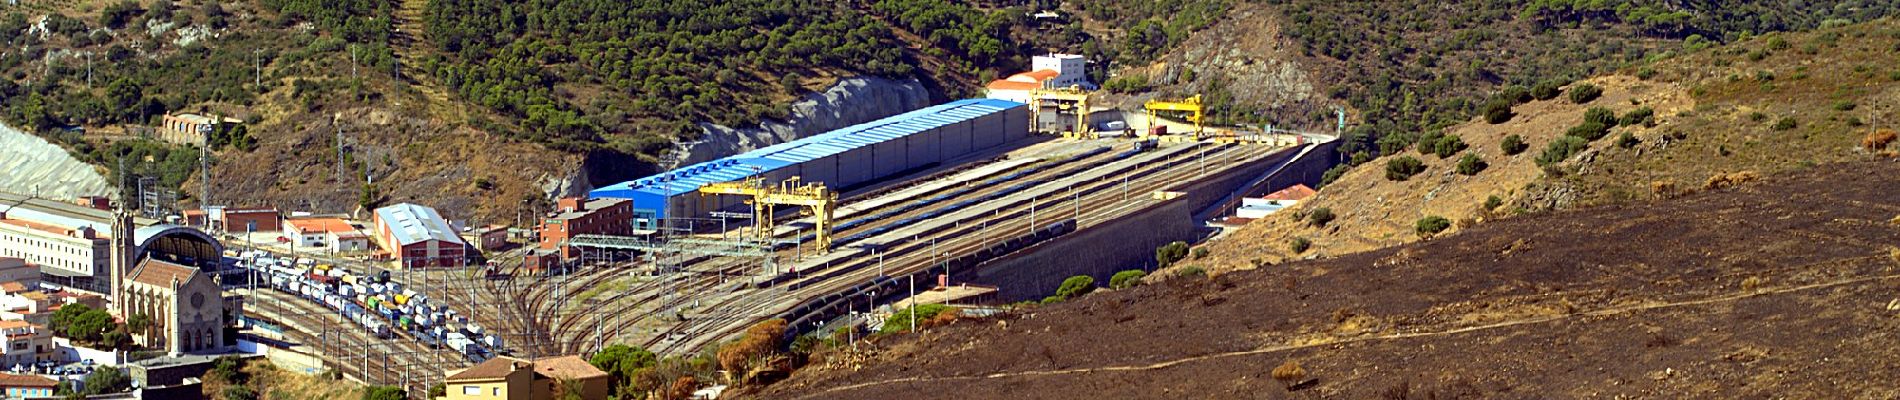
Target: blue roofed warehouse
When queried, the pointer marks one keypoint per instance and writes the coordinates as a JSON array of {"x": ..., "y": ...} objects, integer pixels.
[{"x": 842, "y": 158}]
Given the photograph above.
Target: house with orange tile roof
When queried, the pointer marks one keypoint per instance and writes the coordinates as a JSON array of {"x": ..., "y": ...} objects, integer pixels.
[
  {"x": 26, "y": 386},
  {"x": 326, "y": 233},
  {"x": 509, "y": 378},
  {"x": 25, "y": 343}
]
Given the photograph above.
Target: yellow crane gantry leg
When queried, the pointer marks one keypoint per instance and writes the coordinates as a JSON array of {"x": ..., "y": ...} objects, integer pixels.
[
  {"x": 1191, "y": 105},
  {"x": 816, "y": 199},
  {"x": 1072, "y": 98}
]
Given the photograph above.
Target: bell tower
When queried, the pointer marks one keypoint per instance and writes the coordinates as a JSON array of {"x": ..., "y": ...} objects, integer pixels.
[{"x": 123, "y": 255}]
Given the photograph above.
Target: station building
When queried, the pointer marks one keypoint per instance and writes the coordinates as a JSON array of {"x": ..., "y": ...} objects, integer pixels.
[
  {"x": 842, "y": 159},
  {"x": 416, "y": 236},
  {"x": 72, "y": 244},
  {"x": 578, "y": 216}
]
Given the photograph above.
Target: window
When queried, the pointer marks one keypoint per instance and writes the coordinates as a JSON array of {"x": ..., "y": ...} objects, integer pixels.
[
  {"x": 472, "y": 390},
  {"x": 496, "y": 391}
]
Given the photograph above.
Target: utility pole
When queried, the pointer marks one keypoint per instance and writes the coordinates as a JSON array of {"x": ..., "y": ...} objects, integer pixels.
[{"x": 257, "y": 65}]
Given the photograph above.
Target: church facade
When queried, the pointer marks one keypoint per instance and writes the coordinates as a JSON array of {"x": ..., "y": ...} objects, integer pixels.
[{"x": 186, "y": 307}]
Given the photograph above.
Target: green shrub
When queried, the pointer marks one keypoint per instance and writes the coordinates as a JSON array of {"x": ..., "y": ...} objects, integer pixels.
[
  {"x": 1547, "y": 90},
  {"x": 1588, "y": 131},
  {"x": 1299, "y": 245},
  {"x": 1200, "y": 253},
  {"x": 1757, "y": 116},
  {"x": 1075, "y": 286},
  {"x": 1513, "y": 144},
  {"x": 1626, "y": 140},
  {"x": 1319, "y": 217},
  {"x": 1785, "y": 123},
  {"x": 1333, "y": 174},
  {"x": 1470, "y": 164},
  {"x": 1640, "y": 116},
  {"x": 1600, "y": 115},
  {"x": 1170, "y": 253},
  {"x": 1584, "y": 93},
  {"x": 901, "y": 320},
  {"x": 1516, "y": 94},
  {"x": 239, "y": 393},
  {"x": 1126, "y": 279},
  {"x": 1645, "y": 73},
  {"x": 1191, "y": 272},
  {"x": 1492, "y": 203},
  {"x": 1402, "y": 168},
  {"x": 1448, "y": 145},
  {"x": 1562, "y": 149},
  {"x": 1497, "y": 111},
  {"x": 1431, "y": 225},
  {"x": 1844, "y": 105}
]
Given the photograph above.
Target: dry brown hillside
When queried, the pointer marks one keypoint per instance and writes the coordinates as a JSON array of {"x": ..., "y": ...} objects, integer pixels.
[{"x": 1716, "y": 116}]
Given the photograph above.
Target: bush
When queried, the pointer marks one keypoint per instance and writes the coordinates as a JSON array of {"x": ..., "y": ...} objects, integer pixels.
[
  {"x": 1626, "y": 140},
  {"x": 1515, "y": 94},
  {"x": 1075, "y": 286},
  {"x": 1126, "y": 279},
  {"x": 1513, "y": 144},
  {"x": 1470, "y": 164},
  {"x": 1448, "y": 145},
  {"x": 1588, "y": 131},
  {"x": 1844, "y": 105},
  {"x": 1600, "y": 115},
  {"x": 1333, "y": 174},
  {"x": 901, "y": 320},
  {"x": 1547, "y": 90},
  {"x": 1299, "y": 245},
  {"x": 1492, "y": 203},
  {"x": 1640, "y": 116},
  {"x": 1191, "y": 272},
  {"x": 1785, "y": 123},
  {"x": 1200, "y": 253},
  {"x": 1584, "y": 93},
  {"x": 1319, "y": 217},
  {"x": 1497, "y": 111},
  {"x": 1877, "y": 140},
  {"x": 1431, "y": 225},
  {"x": 1562, "y": 149},
  {"x": 1402, "y": 168},
  {"x": 1170, "y": 253},
  {"x": 1289, "y": 373},
  {"x": 239, "y": 393}
]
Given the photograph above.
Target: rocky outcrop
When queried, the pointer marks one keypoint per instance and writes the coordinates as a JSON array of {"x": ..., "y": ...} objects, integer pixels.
[
  {"x": 31, "y": 165},
  {"x": 851, "y": 101}
]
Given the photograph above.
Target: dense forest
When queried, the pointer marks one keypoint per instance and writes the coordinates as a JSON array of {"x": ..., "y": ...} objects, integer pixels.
[
  {"x": 636, "y": 75},
  {"x": 1410, "y": 68}
]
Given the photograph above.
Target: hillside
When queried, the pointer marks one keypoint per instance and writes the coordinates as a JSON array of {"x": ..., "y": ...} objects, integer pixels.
[
  {"x": 1614, "y": 264},
  {"x": 1714, "y": 114},
  {"x": 1781, "y": 288},
  {"x": 482, "y": 109}
]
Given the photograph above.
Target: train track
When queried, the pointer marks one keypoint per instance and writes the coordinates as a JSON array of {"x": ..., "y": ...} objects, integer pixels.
[
  {"x": 393, "y": 360},
  {"x": 741, "y": 311}
]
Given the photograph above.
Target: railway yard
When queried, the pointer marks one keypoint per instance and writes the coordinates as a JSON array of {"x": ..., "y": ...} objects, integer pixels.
[{"x": 687, "y": 300}]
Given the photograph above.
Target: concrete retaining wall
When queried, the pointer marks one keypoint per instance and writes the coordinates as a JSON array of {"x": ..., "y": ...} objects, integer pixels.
[{"x": 1127, "y": 243}]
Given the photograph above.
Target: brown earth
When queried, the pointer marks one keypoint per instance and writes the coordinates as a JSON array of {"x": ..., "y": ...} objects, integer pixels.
[{"x": 1784, "y": 288}]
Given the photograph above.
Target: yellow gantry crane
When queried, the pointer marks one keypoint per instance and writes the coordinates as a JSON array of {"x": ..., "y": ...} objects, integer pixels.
[
  {"x": 817, "y": 200},
  {"x": 1191, "y": 105},
  {"x": 1070, "y": 99}
]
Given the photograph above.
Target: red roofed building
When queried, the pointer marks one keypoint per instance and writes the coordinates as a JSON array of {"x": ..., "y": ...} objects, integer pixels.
[
  {"x": 1017, "y": 87},
  {"x": 1292, "y": 194}
]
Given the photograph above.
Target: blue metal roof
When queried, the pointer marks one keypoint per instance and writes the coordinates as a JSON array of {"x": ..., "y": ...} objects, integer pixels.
[{"x": 689, "y": 178}]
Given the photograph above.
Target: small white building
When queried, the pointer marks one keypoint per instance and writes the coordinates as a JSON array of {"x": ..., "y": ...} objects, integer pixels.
[
  {"x": 1071, "y": 70},
  {"x": 332, "y": 234},
  {"x": 1047, "y": 72},
  {"x": 1260, "y": 207}
]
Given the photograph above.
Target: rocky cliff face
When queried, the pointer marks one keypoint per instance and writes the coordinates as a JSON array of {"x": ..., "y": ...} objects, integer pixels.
[
  {"x": 29, "y": 165},
  {"x": 850, "y": 101}
]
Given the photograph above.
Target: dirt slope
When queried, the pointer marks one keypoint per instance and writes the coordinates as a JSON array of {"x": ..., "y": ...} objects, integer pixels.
[
  {"x": 1778, "y": 289},
  {"x": 1830, "y": 83}
]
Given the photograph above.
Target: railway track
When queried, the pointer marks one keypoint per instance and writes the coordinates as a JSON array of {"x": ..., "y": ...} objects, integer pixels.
[
  {"x": 1095, "y": 207},
  {"x": 393, "y": 360}
]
